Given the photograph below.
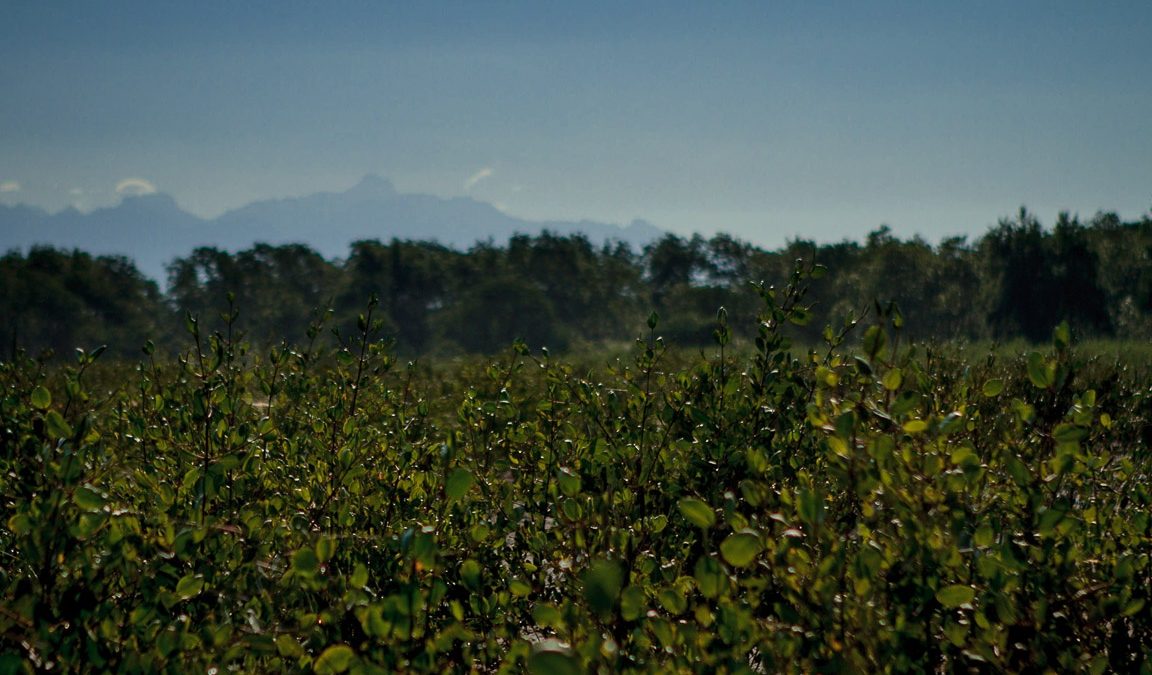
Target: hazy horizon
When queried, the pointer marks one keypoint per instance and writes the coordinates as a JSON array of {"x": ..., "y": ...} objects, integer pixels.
[{"x": 765, "y": 121}]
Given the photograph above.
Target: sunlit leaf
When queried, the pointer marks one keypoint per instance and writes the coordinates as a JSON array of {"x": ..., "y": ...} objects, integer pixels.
[
  {"x": 954, "y": 596},
  {"x": 547, "y": 615},
  {"x": 325, "y": 548},
  {"x": 335, "y": 659},
  {"x": 710, "y": 577},
  {"x": 915, "y": 426},
  {"x": 741, "y": 548},
  {"x": 41, "y": 398},
  {"x": 88, "y": 498},
  {"x": 57, "y": 426},
  {"x": 697, "y": 512},
  {"x": 189, "y": 586},
  {"x": 1039, "y": 371},
  {"x": 19, "y": 524},
  {"x": 359, "y": 578}
]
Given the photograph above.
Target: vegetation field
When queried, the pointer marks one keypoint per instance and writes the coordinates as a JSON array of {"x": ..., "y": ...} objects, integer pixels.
[{"x": 865, "y": 505}]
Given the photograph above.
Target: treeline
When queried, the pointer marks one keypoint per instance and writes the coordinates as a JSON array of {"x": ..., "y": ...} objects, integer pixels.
[{"x": 1018, "y": 280}]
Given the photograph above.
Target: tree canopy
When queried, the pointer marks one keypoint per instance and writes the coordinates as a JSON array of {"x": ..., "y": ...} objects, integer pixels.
[{"x": 1016, "y": 281}]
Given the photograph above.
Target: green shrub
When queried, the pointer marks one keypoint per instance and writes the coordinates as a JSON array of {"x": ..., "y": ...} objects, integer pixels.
[{"x": 866, "y": 506}]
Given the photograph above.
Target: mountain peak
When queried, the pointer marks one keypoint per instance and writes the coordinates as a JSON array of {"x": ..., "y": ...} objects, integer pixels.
[
  {"x": 152, "y": 200},
  {"x": 373, "y": 187},
  {"x": 154, "y": 229}
]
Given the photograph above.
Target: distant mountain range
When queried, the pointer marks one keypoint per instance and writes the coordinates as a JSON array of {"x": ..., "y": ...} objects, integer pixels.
[{"x": 152, "y": 229}]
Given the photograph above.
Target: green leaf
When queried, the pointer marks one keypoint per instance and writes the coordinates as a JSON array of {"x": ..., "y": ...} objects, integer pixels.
[
  {"x": 479, "y": 532},
  {"x": 189, "y": 586},
  {"x": 88, "y": 499},
  {"x": 286, "y": 646},
  {"x": 839, "y": 446},
  {"x": 811, "y": 507},
  {"x": 632, "y": 603},
  {"x": 325, "y": 548},
  {"x": 227, "y": 463},
  {"x": 673, "y": 601},
  {"x": 520, "y": 588},
  {"x": 957, "y": 633},
  {"x": 56, "y": 425},
  {"x": 697, "y": 512},
  {"x": 710, "y": 577},
  {"x": 335, "y": 659},
  {"x": 993, "y": 388},
  {"x": 305, "y": 562},
  {"x": 11, "y": 663},
  {"x": 1048, "y": 521},
  {"x": 191, "y": 479},
  {"x": 892, "y": 379},
  {"x": 875, "y": 341},
  {"x": 1019, "y": 471},
  {"x": 424, "y": 548},
  {"x": 19, "y": 524},
  {"x": 359, "y": 578},
  {"x": 568, "y": 482},
  {"x": 547, "y": 615},
  {"x": 602, "y": 583},
  {"x": 553, "y": 662},
  {"x": 951, "y": 422},
  {"x": 800, "y": 316},
  {"x": 1069, "y": 433},
  {"x": 915, "y": 426},
  {"x": 984, "y": 536},
  {"x": 964, "y": 457},
  {"x": 951, "y": 597},
  {"x": 470, "y": 574},
  {"x": 41, "y": 398},
  {"x": 458, "y": 483},
  {"x": 741, "y": 548},
  {"x": 1062, "y": 336},
  {"x": 373, "y": 622},
  {"x": 1042, "y": 374}
]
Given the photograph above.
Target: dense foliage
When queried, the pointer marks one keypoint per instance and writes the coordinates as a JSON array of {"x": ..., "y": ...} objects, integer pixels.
[
  {"x": 892, "y": 508},
  {"x": 564, "y": 292}
]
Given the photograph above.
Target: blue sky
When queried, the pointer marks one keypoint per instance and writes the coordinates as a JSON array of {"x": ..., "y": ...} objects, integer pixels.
[{"x": 766, "y": 120}]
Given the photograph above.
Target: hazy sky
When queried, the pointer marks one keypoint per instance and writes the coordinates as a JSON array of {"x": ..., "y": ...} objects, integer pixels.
[{"x": 768, "y": 120}]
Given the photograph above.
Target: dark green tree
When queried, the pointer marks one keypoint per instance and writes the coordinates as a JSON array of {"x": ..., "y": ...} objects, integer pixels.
[
  {"x": 1019, "y": 279},
  {"x": 490, "y": 316},
  {"x": 275, "y": 289},
  {"x": 60, "y": 300}
]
